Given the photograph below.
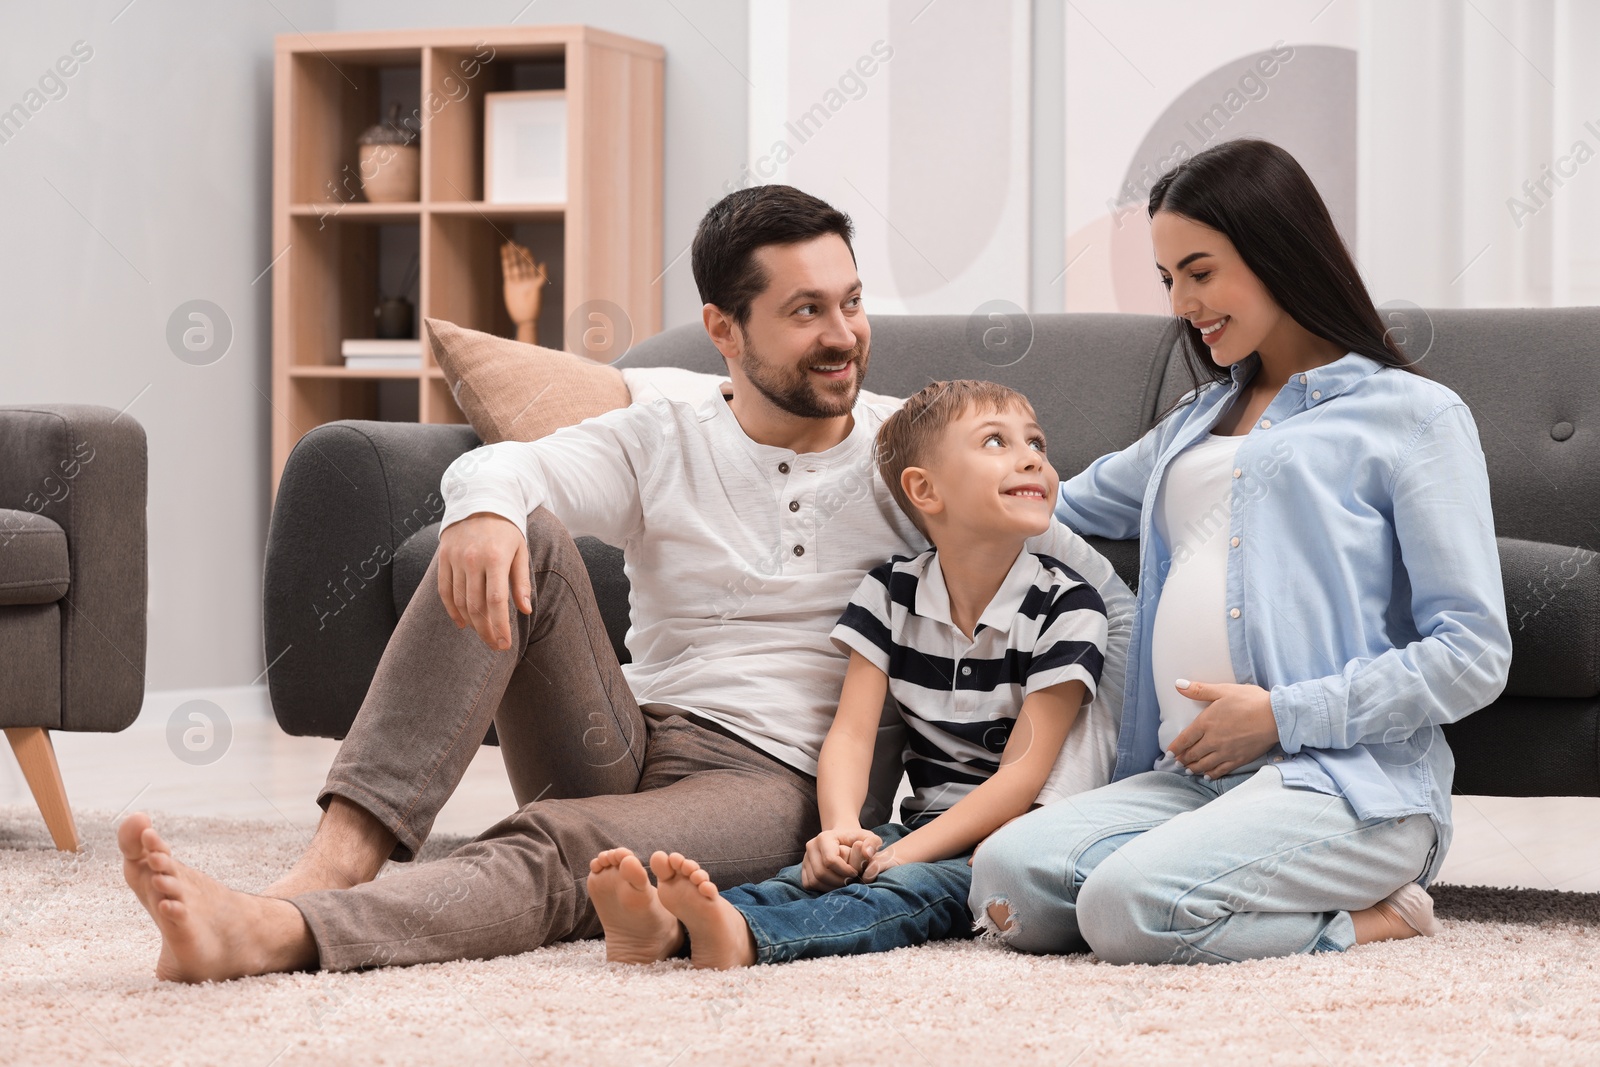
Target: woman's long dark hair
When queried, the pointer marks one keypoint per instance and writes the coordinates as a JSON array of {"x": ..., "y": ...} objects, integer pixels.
[{"x": 1261, "y": 199}]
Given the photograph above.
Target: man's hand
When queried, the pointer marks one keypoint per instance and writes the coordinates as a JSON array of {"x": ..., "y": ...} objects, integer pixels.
[
  {"x": 828, "y": 860},
  {"x": 483, "y": 560},
  {"x": 1236, "y": 727}
]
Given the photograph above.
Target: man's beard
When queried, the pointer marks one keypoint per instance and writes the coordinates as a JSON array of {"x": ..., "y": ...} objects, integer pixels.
[{"x": 790, "y": 387}]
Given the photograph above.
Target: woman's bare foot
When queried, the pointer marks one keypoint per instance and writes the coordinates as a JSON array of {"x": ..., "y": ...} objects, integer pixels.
[
  {"x": 208, "y": 931},
  {"x": 638, "y": 929},
  {"x": 719, "y": 937}
]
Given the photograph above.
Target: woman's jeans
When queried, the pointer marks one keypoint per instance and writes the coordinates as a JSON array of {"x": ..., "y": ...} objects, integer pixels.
[
  {"x": 906, "y": 905},
  {"x": 1173, "y": 868}
]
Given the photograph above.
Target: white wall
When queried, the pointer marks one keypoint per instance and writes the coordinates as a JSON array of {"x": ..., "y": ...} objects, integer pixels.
[
  {"x": 914, "y": 119},
  {"x": 1480, "y": 131}
]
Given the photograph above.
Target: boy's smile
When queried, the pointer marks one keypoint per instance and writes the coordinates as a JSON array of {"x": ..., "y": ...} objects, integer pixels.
[{"x": 991, "y": 476}]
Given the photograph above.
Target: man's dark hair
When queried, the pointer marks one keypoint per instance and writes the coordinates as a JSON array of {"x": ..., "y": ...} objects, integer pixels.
[{"x": 725, "y": 267}]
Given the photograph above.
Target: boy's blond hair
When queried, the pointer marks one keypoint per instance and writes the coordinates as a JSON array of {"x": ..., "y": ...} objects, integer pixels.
[{"x": 909, "y": 436}]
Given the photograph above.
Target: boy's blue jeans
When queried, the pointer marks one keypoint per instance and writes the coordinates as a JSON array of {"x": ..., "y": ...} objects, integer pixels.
[
  {"x": 907, "y": 905},
  {"x": 1171, "y": 868}
]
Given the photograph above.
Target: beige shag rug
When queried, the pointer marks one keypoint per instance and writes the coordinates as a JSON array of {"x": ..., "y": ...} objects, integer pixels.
[{"x": 1512, "y": 980}]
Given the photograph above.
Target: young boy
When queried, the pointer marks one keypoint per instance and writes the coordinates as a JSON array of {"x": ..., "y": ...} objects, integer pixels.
[{"x": 992, "y": 653}]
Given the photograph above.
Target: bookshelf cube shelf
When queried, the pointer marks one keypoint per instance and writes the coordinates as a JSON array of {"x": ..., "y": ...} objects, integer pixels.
[{"x": 337, "y": 254}]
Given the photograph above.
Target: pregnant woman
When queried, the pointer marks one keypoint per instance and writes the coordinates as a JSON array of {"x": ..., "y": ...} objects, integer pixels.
[{"x": 1319, "y": 593}]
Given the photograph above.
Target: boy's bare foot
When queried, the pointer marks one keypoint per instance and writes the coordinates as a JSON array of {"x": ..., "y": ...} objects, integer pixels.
[
  {"x": 719, "y": 937},
  {"x": 208, "y": 931},
  {"x": 638, "y": 928}
]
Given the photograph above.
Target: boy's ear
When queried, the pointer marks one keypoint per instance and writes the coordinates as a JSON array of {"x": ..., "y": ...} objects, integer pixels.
[{"x": 920, "y": 490}]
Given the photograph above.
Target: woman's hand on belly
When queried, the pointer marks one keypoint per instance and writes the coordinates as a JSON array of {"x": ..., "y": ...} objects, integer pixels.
[{"x": 1236, "y": 727}]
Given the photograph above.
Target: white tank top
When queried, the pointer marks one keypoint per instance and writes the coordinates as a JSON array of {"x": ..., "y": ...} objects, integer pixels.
[{"x": 1190, "y": 635}]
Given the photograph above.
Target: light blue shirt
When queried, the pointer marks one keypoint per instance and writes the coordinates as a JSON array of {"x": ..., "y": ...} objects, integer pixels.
[{"x": 1363, "y": 586}]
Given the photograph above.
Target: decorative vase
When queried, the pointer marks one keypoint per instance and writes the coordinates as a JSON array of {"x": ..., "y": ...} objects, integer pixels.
[
  {"x": 395, "y": 318},
  {"x": 389, "y": 161}
]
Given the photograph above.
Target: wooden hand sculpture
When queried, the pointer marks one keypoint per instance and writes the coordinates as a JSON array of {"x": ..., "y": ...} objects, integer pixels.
[{"x": 524, "y": 289}]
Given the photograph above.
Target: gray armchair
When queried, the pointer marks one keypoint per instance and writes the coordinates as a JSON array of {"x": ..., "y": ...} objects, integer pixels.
[{"x": 72, "y": 585}]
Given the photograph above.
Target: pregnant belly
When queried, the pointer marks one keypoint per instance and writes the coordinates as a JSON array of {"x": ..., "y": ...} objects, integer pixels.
[{"x": 1189, "y": 640}]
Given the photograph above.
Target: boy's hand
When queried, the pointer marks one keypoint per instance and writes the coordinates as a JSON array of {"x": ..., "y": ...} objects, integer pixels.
[
  {"x": 828, "y": 860},
  {"x": 873, "y": 862}
]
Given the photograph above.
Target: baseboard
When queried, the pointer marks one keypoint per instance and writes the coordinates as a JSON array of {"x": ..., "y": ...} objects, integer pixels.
[{"x": 241, "y": 703}]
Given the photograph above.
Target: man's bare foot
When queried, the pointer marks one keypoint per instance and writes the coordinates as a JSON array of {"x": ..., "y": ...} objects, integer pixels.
[
  {"x": 719, "y": 937},
  {"x": 638, "y": 928},
  {"x": 349, "y": 848},
  {"x": 208, "y": 931}
]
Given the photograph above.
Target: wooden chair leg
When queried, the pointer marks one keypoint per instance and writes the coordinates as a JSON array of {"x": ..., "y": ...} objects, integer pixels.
[{"x": 38, "y": 759}]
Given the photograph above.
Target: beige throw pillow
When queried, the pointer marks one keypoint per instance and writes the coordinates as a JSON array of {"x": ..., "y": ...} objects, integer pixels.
[{"x": 512, "y": 391}]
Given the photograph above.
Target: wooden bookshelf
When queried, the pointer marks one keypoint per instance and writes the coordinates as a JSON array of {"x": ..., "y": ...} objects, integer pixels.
[{"x": 335, "y": 253}]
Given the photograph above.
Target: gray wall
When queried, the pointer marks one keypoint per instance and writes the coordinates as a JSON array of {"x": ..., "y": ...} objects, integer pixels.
[{"x": 148, "y": 184}]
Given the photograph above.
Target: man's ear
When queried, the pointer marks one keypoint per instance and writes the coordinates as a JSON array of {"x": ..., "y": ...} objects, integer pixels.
[
  {"x": 723, "y": 331},
  {"x": 920, "y": 490}
]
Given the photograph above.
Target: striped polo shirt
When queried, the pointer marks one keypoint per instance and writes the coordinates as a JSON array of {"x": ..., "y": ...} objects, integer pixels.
[{"x": 960, "y": 697}]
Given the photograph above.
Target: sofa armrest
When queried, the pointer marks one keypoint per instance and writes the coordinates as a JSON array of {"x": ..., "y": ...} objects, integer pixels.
[
  {"x": 84, "y": 467},
  {"x": 352, "y": 492},
  {"x": 1553, "y": 608}
]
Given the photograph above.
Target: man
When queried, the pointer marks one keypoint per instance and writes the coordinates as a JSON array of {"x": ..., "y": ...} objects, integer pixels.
[{"x": 746, "y": 522}]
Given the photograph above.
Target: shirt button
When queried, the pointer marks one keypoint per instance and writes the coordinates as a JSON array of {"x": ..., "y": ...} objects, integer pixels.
[
  {"x": 799, "y": 550},
  {"x": 966, "y": 670},
  {"x": 1237, "y": 472},
  {"x": 794, "y": 505},
  {"x": 783, "y": 468},
  {"x": 1266, "y": 424},
  {"x": 1316, "y": 394},
  {"x": 1234, "y": 542},
  {"x": 1302, "y": 379},
  {"x": 1234, "y": 612}
]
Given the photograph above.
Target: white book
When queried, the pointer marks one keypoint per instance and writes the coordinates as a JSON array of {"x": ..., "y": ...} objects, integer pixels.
[
  {"x": 384, "y": 362},
  {"x": 374, "y": 347},
  {"x": 372, "y": 353}
]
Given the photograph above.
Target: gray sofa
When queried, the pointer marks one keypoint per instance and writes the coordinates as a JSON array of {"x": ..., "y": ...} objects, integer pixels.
[
  {"x": 355, "y": 523},
  {"x": 72, "y": 584}
]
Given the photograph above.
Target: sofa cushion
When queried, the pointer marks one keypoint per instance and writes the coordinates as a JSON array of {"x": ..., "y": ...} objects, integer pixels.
[
  {"x": 33, "y": 559},
  {"x": 1553, "y": 607},
  {"x": 512, "y": 391}
]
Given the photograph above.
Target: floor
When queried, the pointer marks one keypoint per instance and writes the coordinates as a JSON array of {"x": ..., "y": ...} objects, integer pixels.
[{"x": 260, "y": 772}]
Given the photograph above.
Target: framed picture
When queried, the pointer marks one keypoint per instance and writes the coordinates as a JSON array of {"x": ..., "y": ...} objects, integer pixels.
[{"x": 525, "y": 147}]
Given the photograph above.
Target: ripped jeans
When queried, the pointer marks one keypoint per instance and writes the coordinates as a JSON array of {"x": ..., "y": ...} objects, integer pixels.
[
  {"x": 1165, "y": 867},
  {"x": 906, "y": 905}
]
